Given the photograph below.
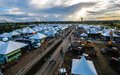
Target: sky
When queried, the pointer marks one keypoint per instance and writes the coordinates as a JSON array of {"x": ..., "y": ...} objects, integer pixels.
[{"x": 58, "y": 10}]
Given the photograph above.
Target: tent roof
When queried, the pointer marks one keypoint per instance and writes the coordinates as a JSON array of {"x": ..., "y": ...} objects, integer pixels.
[
  {"x": 36, "y": 29},
  {"x": 4, "y": 35},
  {"x": 93, "y": 31},
  {"x": 83, "y": 67},
  {"x": 114, "y": 35},
  {"x": 38, "y": 36},
  {"x": 49, "y": 33},
  {"x": 12, "y": 34},
  {"x": 27, "y": 30},
  {"x": 83, "y": 34},
  {"x": 11, "y": 46},
  {"x": 108, "y": 34},
  {"x": 1, "y": 43}
]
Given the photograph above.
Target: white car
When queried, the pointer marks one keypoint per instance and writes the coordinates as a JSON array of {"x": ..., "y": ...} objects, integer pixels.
[
  {"x": 37, "y": 45},
  {"x": 62, "y": 71}
]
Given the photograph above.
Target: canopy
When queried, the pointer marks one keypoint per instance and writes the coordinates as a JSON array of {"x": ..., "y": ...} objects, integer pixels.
[
  {"x": 50, "y": 33},
  {"x": 11, "y": 46},
  {"x": 9, "y": 34},
  {"x": 83, "y": 67},
  {"x": 1, "y": 43},
  {"x": 38, "y": 36},
  {"x": 107, "y": 34},
  {"x": 12, "y": 34},
  {"x": 93, "y": 31},
  {"x": 4, "y": 35},
  {"x": 36, "y": 29},
  {"x": 27, "y": 30},
  {"x": 84, "y": 34},
  {"x": 114, "y": 35}
]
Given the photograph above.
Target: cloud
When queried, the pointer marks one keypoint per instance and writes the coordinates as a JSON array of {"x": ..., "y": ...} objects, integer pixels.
[
  {"x": 65, "y": 9},
  {"x": 29, "y": 10}
]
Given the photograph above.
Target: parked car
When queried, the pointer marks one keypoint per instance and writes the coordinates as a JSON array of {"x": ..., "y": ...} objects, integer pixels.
[
  {"x": 62, "y": 71},
  {"x": 37, "y": 45}
]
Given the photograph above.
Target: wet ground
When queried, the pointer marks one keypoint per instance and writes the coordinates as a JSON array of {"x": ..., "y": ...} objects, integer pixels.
[{"x": 100, "y": 61}]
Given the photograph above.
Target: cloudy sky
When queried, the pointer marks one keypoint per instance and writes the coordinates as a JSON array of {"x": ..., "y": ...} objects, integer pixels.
[{"x": 59, "y": 10}]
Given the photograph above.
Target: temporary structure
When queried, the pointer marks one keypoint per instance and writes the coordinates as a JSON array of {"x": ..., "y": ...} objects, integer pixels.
[
  {"x": 1, "y": 43},
  {"x": 50, "y": 33},
  {"x": 93, "y": 31},
  {"x": 10, "y": 51},
  {"x": 107, "y": 34},
  {"x": 14, "y": 33},
  {"x": 27, "y": 30},
  {"x": 38, "y": 36},
  {"x": 83, "y": 35},
  {"x": 83, "y": 67},
  {"x": 9, "y": 35},
  {"x": 11, "y": 46},
  {"x": 4, "y": 35}
]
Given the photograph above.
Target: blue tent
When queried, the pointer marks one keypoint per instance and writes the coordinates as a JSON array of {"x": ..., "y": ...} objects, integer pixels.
[
  {"x": 38, "y": 36},
  {"x": 83, "y": 67},
  {"x": 11, "y": 46}
]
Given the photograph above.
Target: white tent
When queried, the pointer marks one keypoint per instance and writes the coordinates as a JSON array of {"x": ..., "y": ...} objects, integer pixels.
[
  {"x": 83, "y": 67},
  {"x": 114, "y": 35},
  {"x": 12, "y": 34},
  {"x": 4, "y": 35},
  {"x": 9, "y": 34},
  {"x": 38, "y": 36},
  {"x": 40, "y": 28},
  {"x": 5, "y": 39},
  {"x": 84, "y": 35},
  {"x": 11, "y": 46},
  {"x": 107, "y": 34},
  {"x": 93, "y": 31},
  {"x": 27, "y": 30},
  {"x": 1, "y": 43},
  {"x": 36, "y": 29}
]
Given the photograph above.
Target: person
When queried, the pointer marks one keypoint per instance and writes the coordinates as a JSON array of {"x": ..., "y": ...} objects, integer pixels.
[
  {"x": 62, "y": 53},
  {"x": 70, "y": 39},
  {"x": 2, "y": 69}
]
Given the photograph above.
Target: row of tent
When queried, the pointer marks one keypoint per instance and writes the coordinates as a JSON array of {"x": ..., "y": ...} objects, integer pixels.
[
  {"x": 83, "y": 66},
  {"x": 103, "y": 30},
  {"x": 45, "y": 29},
  {"x": 10, "y": 47}
]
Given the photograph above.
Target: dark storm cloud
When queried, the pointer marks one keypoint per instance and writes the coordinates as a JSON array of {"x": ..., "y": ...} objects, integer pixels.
[
  {"x": 15, "y": 15},
  {"x": 67, "y": 9},
  {"x": 111, "y": 8}
]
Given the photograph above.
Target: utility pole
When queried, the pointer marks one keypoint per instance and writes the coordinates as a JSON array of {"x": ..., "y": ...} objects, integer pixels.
[{"x": 81, "y": 19}]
